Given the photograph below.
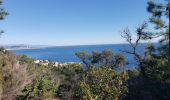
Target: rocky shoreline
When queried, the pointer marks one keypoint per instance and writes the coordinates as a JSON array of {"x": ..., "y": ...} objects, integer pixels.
[{"x": 51, "y": 63}]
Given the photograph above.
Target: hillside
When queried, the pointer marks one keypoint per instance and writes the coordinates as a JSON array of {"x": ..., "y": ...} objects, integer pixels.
[
  {"x": 22, "y": 79},
  {"x": 22, "y": 46}
]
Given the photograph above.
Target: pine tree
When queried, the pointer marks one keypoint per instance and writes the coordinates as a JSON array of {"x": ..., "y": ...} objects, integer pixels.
[{"x": 3, "y": 13}]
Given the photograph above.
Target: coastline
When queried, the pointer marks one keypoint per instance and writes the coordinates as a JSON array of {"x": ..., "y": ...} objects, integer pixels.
[
  {"x": 54, "y": 63},
  {"x": 24, "y": 48}
]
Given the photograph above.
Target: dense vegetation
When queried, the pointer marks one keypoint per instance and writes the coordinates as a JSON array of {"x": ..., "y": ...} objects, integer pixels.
[
  {"x": 97, "y": 78},
  {"x": 23, "y": 79}
]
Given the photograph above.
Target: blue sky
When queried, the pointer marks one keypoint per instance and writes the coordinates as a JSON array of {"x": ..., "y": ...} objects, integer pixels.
[{"x": 70, "y": 22}]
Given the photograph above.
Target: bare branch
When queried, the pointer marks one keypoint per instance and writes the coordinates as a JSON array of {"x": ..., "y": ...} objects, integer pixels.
[
  {"x": 127, "y": 35},
  {"x": 140, "y": 34}
]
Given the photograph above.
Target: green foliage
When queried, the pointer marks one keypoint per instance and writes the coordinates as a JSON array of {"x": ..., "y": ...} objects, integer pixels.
[
  {"x": 85, "y": 58},
  {"x": 160, "y": 18},
  {"x": 25, "y": 59},
  {"x": 106, "y": 58},
  {"x": 157, "y": 69},
  {"x": 14, "y": 75},
  {"x": 64, "y": 82},
  {"x": 68, "y": 75},
  {"x": 156, "y": 64},
  {"x": 158, "y": 10},
  {"x": 41, "y": 88},
  {"x": 102, "y": 83},
  {"x": 21, "y": 78},
  {"x": 3, "y": 13},
  {"x": 148, "y": 89},
  {"x": 153, "y": 81}
]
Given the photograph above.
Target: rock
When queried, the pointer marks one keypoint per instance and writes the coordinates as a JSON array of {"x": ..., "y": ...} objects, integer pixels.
[
  {"x": 4, "y": 50},
  {"x": 56, "y": 64},
  {"x": 46, "y": 61},
  {"x": 45, "y": 64},
  {"x": 37, "y": 61}
]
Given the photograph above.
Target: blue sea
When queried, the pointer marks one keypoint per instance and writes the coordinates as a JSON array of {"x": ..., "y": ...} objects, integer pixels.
[{"x": 67, "y": 53}]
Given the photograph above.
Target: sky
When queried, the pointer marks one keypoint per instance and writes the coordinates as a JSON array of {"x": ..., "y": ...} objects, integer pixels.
[{"x": 70, "y": 22}]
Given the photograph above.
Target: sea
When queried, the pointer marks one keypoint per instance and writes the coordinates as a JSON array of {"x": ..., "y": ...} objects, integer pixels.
[{"x": 67, "y": 53}]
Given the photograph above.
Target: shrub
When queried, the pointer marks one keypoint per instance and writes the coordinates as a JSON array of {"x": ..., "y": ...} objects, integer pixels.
[
  {"x": 25, "y": 59},
  {"x": 68, "y": 75},
  {"x": 102, "y": 83},
  {"x": 41, "y": 88}
]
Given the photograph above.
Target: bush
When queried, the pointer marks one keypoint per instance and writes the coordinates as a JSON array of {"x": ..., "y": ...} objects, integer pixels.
[
  {"x": 68, "y": 75},
  {"x": 13, "y": 75},
  {"x": 105, "y": 58},
  {"x": 102, "y": 83},
  {"x": 25, "y": 59},
  {"x": 41, "y": 88}
]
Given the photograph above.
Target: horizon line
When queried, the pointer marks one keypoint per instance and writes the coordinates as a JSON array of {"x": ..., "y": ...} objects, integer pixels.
[{"x": 72, "y": 44}]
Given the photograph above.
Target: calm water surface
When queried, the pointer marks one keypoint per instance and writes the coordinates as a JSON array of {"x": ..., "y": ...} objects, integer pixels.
[{"x": 67, "y": 53}]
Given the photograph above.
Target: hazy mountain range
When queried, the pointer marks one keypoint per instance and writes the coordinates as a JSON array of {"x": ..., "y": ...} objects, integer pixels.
[{"x": 22, "y": 46}]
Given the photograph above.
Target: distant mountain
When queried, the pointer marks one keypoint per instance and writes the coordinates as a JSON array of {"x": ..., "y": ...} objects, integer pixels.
[{"x": 23, "y": 46}]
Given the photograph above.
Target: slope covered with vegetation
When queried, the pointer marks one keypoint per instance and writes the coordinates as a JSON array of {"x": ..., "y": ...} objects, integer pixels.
[{"x": 21, "y": 78}]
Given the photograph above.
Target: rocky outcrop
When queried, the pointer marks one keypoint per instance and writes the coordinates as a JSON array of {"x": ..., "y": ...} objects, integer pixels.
[{"x": 50, "y": 63}]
